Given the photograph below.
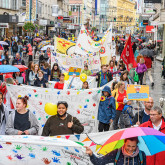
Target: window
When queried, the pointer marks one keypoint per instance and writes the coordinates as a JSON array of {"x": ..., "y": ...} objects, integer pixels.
[{"x": 24, "y": 3}]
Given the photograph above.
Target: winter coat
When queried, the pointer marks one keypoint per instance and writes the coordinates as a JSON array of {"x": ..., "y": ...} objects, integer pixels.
[
  {"x": 148, "y": 62},
  {"x": 158, "y": 158},
  {"x": 39, "y": 82},
  {"x": 56, "y": 126},
  {"x": 4, "y": 118},
  {"x": 110, "y": 158},
  {"x": 141, "y": 68},
  {"x": 100, "y": 75},
  {"x": 107, "y": 108},
  {"x": 127, "y": 115},
  {"x": 34, "y": 125}
]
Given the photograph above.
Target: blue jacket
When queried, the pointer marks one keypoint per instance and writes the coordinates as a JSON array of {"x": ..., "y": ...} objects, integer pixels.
[
  {"x": 107, "y": 108},
  {"x": 110, "y": 158}
]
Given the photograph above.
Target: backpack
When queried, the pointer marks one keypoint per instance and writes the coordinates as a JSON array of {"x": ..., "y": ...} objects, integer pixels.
[
  {"x": 15, "y": 48},
  {"x": 118, "y": 154},
  {"x": 136, "y": 77}
]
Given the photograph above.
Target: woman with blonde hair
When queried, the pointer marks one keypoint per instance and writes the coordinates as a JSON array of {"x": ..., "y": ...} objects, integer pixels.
[{"x": 119, "y": 94}]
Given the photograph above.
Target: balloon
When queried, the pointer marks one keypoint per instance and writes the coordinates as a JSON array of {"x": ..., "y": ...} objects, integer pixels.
[
  {"x": 83, "y": 77},
  {"x": 50, "y": 109},
  {"x": 66, "y": 76}
]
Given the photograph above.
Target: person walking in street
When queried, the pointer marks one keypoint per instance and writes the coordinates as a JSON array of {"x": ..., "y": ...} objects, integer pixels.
[
  {"x": 18, "y": 60},
  {"x": 128, "y": 154},
  {"x": 103, "y": 77},
  {"x": 60, "y": 84},
  {"x": 157, "y": 122},
  {"x": 119, "y": 94},
  {"x": 148, "y": 63},
  {"x": 46, "y": 70},
  {"x": 22, "y": 121},
  {"x": 107, "y": 110},
  {"x": 127, "y": 113},
  {"x": 55, "y": 73},
  {"x": 62, "y": 123},
  {"x": 41, "y": 81},
  {"x": 14, "y": 49},
  {"x": 140, "y": 69},
  {"x": 144, "y": 115},
  {"x": 125, "y": 79},
  {"x": 86, "y": 70}
]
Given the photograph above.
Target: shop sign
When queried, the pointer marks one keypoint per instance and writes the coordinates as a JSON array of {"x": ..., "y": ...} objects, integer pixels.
[{"x": 4, "y": 25}]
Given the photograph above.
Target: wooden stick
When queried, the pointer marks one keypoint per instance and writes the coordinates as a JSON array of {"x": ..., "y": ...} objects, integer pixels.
[{"x": 138, "y": 110}]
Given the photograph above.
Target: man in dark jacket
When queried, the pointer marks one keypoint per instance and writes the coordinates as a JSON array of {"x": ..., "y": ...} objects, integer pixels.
[
  {"x": 128, "y": 154},
  {"x": 18, "y": 60},
  {"x": 107, "y": 110},
  {"x": 40, "y": 81},
  {"x": 103, "y": 77},
  {"x": 144, "y": 115},
  {"x": 157, "y": 122}
]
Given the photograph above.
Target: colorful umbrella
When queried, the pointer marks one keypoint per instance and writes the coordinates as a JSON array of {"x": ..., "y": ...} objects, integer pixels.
[
  {"x": 122, "y": 39},
  {"x": 48, "y": 46},
  {"x": 3, "y": 43},
  {"x": 22, "y": 68},
  {"x": 139, "y": 40},
  {"x": 159, "y": 40},
  {"x": 8, "y": 69},
  {"x": 151, "y": 141},
  {"x": 43, "y": 43},
  {"x": 37, "y": 39}
]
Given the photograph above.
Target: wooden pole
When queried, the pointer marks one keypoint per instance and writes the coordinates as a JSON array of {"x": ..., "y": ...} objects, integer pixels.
[{"x": 138, "y": 110}]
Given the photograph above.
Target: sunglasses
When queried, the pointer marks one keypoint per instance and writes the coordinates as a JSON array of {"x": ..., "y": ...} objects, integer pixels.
[{"x": 62, "y": 102}]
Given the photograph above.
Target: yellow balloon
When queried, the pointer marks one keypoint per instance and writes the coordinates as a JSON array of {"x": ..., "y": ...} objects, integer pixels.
[
  {"x": 117, "y": 105},
  {"x": 83, "y": 77},
  {"x": 50, "y": 109},
  {"x": 66, "y": 76}
]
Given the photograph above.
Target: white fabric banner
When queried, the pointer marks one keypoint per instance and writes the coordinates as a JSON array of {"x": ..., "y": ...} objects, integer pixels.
[
  {"x": 65, "y": 62},
  {"x": 37, "y": 150},
  {"x": 83, "y": 104},
  {"x": 77, "y": 83},
  {"x": 86, "y": 46}
]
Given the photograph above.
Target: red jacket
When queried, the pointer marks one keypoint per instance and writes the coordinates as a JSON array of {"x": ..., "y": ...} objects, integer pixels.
[
  {"x": 148, "y": 62},
  {"x": 158, "y": 158}
]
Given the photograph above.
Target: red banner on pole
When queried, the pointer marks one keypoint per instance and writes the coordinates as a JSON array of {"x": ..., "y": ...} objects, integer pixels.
[{"x": 127, "y": 55}]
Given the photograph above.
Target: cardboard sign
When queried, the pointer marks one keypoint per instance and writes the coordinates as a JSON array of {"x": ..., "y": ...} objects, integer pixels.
[
  {"x": 74, "y": 70},
  {"x": 138, "y": 92}
]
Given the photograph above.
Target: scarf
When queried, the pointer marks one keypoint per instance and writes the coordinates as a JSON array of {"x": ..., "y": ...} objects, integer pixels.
[{"x": 126, "y": 155}]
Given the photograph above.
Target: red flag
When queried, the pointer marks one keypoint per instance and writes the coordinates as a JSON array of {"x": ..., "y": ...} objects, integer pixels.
[{"x": 127, "y": 55}]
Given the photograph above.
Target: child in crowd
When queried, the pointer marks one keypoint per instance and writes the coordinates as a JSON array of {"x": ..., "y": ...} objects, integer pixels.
[
  {"x": 107, "y": 110},
  {"x": 60, "y": 84},
  {"x": 85, "y": 85},
  {"x": 141, "y": 68},
  {"x": 127, "y": 113}
]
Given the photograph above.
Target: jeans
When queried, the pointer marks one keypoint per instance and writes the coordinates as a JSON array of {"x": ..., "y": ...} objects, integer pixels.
[
  {"x": 141, "y": 78},
  {"x": 119, "y": 115},
  {"x": 103, "y": 127}
]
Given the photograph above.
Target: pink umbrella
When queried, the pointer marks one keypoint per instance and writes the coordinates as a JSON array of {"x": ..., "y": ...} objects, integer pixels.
[
  {"x": 159, "y": 40},
  {"x": 37, "y": 39},
  {"x": 122, "y": 39},
  {"x": 139, "y": 40}
]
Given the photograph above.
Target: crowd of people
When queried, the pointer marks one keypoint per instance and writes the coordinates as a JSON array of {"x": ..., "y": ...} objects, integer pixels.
[{"x": 114, "y": 108}]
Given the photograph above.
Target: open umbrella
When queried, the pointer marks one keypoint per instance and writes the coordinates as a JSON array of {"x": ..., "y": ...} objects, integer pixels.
[
  {"x": 48, "y": 46},
  {"x": 139, "y": 39},
  {"x": 147, "y": 52},
  {"x": 43, "y": 43},
  {"x": 37, "y": 39},
  {"x": 8, "y": 69},
  {"x": 122, "y": 39},
  {"x": 151, "y": 141},
  {"x": 3, "y": 43},
  {"x": 22, "y": 68},
  {"x": 159, "y": 40}
]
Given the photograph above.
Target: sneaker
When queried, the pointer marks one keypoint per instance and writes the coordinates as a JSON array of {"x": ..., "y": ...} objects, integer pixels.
[{"x": 152, "y": 84}]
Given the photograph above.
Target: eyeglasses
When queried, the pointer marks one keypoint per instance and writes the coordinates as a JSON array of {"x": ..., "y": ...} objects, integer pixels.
[
  {"x": 62, "y": 102},
  {"x": 153, "y": 114}
]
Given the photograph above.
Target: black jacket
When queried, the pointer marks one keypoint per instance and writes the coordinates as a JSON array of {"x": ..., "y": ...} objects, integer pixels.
[
  {"x": 56, "y": 126},
  {"x": 39, "y": 82},
  {"x": 109, "y": 77},
  {"x": 18, "y": 62},
  {"x": 135, "y": 120}
]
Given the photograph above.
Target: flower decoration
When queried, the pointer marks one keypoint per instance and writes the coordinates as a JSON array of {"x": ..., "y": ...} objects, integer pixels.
[{"x": 102, "y": 98}]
